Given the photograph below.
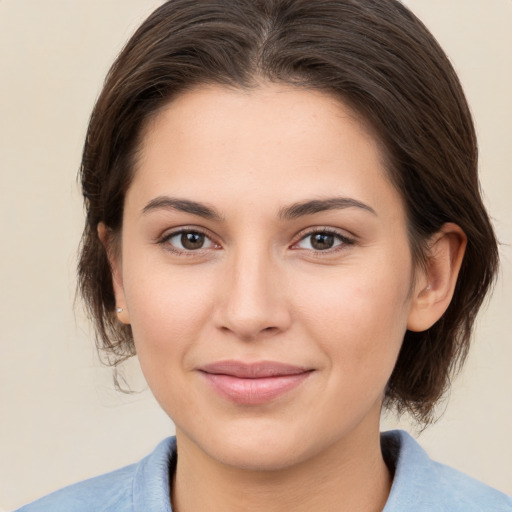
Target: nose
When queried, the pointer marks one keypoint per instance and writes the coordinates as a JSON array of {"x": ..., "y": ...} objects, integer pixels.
[{"x": 253, "y": 301}]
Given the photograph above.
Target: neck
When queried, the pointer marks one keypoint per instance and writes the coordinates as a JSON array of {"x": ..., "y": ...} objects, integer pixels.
[{"x": 350, "y": 476}]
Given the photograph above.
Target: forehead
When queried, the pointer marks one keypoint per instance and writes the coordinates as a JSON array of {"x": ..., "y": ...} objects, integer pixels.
[{"x": 287, "y": 141}]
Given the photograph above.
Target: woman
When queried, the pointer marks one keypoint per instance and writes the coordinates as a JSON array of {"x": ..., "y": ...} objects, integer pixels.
[{"x": 284, "y": 223}]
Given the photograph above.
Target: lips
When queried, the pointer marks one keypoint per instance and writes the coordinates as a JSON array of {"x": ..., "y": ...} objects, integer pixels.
[{"x": 255, "y": 383}]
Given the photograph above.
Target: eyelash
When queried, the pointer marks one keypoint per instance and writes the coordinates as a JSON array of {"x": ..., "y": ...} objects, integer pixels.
[
  {"x": 164, "y": 241},
  {"x": 342, "y": 238}
]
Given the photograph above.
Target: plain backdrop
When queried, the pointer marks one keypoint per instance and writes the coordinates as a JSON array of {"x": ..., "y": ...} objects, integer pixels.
[{"x": 60, "y": 418}]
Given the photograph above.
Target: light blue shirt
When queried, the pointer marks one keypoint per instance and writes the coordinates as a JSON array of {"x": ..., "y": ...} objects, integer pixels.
[{"x": 419, "y": 485}]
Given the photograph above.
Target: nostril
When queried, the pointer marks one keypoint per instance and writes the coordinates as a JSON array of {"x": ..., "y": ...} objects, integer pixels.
[{"x": 246, "y": 335}]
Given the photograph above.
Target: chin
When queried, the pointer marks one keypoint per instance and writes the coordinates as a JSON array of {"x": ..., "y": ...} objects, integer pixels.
[
  {"x": 251, "y": 445},
  {"x": 255, "y": 457}
]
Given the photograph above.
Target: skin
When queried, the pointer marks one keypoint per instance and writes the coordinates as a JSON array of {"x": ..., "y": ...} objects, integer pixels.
[{"x": 258, "y": 290}]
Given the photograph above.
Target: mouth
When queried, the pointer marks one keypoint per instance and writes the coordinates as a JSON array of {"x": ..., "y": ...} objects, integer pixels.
[{"x": 254, "y": 383}]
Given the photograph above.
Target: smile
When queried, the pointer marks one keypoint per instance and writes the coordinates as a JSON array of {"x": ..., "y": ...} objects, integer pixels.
[{"x": 253, "y": 384}]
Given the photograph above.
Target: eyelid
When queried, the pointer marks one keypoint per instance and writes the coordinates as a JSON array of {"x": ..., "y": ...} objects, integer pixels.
[
  {"x": 163, "y": 239},
  {"x": 346, "y": 240},
  {"x": 340, "y": 234}
]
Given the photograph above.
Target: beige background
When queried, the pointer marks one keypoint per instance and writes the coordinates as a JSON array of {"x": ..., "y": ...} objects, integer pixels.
[{"x": 60, "y": 419}]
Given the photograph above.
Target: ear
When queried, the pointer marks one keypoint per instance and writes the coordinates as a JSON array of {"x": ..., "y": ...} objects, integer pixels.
[
  {"x": 113, "y": 254},
  {"x": 436, "y": 283}
]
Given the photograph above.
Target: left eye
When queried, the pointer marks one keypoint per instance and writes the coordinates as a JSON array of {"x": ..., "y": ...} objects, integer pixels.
[
  {"x": 322, "y": 241},
  {"x": 189, "y": 241}
]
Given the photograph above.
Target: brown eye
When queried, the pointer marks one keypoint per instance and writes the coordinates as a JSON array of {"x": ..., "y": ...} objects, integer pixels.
[
  {"x": 322, "y": 241},
  {"x": 191, "y": 240},
  {"x": 185, "y": 241}
]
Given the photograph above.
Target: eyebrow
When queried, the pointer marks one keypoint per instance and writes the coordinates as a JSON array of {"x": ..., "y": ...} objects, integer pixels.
[
  {"x": 320, "y": 205},
  {"x": 182, "y": 205},
  {"x": 293, "y": 211}
]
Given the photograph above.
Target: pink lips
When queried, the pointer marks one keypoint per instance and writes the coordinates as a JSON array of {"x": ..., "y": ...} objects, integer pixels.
[{"x": 255, "y": 383}]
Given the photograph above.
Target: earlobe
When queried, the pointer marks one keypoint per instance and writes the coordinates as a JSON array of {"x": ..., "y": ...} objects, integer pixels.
[
  {"x": 105, "y": 236},
  {"x": 435, "y": 288}
]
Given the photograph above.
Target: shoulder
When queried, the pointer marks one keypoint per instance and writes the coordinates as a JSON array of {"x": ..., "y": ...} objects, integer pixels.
[
  {"x": 123, "y": 490},
  {"x": 421, "y": 484},
  {"x": 96, "y": 494}
]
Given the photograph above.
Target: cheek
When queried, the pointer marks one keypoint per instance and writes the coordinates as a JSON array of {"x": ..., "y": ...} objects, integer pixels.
[
  {"x": 168, "y": 309},
  {"x": 359, "y": 319},
  {"x": 169, "y": 312}
]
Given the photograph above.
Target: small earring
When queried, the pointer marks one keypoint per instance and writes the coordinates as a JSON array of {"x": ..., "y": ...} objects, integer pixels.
[{"x": 119, "y": 310}]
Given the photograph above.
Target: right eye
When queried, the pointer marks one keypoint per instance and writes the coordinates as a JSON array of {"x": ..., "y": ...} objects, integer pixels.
[{"x": 188, "y": 240}]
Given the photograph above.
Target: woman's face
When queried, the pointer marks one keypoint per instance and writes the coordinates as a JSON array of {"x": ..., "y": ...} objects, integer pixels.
[{"x": 266, "y": 272}]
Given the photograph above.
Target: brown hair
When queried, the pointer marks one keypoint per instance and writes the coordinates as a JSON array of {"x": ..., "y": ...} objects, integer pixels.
[{"x": 377, "y": 57}]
